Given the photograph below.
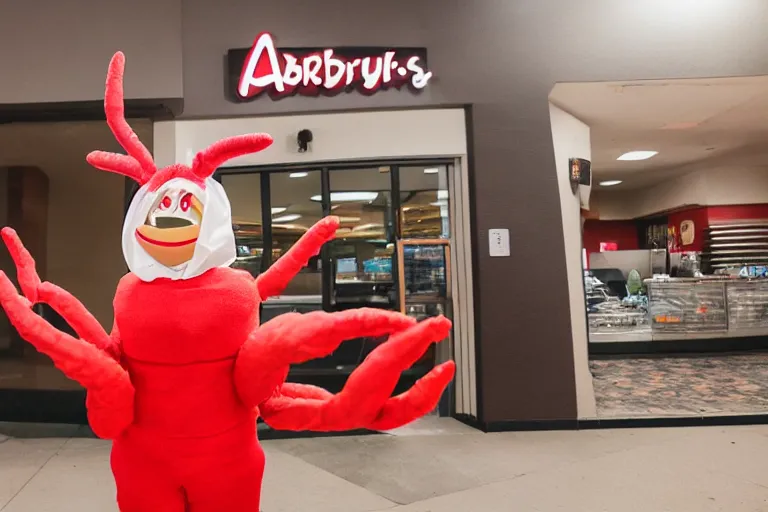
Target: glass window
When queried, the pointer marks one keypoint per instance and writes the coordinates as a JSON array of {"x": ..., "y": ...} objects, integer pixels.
[
  {"x": 363, "y": 250},
  {"x": 424, "y": 202},
  {"x": 296, "y": 203},
  {"x": 244, "y": 192}
]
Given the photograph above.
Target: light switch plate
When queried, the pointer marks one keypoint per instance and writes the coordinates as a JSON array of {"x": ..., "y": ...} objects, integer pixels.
[{"x": 498, "y": 242}]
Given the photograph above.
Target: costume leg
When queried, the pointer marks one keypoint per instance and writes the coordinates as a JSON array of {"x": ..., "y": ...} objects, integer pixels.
[
  {"x": 231, "y": 484},
  {"x": 142, "y": 485}
]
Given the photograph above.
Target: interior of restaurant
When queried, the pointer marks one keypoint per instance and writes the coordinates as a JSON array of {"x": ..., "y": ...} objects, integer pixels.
[{"x": 675, "y": 244}]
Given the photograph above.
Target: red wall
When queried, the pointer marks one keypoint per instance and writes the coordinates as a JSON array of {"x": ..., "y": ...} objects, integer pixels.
[
  {"x": 700, "y": 222},
  {"x": 737, "y": 212},
  {"x": 704, "y": 216},
  {"x": 623, "y": 232}
]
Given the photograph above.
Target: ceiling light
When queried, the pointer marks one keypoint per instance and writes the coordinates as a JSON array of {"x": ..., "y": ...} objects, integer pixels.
[
  {"x": 278, "y": 209},
  {"x": 298, "y": 175},
  {"x": 349, "y": 220},
  {"x": 287, "y": 218},
  {"x": 441, "y": 202},
  {"x": 609, "y": 183},
  {"x": 339, "y": 197},
  {"x": 431, "y": 170},
  {"x": 638, "y": 155}
]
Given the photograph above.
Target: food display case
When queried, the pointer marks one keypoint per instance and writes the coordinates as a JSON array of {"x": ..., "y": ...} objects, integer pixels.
[
  {"x": 687, "y": 306},
  {"x": 748, "y": 306},
  {"x": 683, "y": 308},
  {"x": 612, "y": 314}
]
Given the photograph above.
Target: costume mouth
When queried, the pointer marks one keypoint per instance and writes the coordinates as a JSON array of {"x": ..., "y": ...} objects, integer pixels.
[
  {"x": 182, "y": 234},
  {"x": 163, "y": 243}
]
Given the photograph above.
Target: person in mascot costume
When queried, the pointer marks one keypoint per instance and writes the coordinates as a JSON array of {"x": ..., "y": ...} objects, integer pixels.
[{"x": 180, "y": 381}]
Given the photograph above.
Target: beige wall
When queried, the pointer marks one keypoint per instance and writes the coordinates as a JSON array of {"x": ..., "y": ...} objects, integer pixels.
[
  {"x": 722, "y": 185},
  {"x": 85, "y": 212},
  {"x": 54, "y": 51},
  {"x": 571, "y": 139}
]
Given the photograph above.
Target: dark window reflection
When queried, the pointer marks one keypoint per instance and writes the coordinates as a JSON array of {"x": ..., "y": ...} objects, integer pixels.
[
  {"x": 363, "y": 250},
  {"x": 424, "y": 203},
  {"x": 296, "y": 205},
  {"x": 244, "y": 192}
]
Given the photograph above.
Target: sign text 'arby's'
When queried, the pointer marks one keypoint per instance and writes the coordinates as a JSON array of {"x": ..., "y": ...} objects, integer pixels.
[{"x": 311, "y": 72}]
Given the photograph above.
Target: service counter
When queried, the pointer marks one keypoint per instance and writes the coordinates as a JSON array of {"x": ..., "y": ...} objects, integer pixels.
[{"x": 685, "y": 309}]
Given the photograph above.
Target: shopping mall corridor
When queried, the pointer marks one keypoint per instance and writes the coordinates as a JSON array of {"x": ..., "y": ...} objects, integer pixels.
[{"x": 440, "y": 466}]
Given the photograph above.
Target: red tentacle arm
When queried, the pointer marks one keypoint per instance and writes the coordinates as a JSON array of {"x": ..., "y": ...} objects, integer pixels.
[
  {"x": 114, "y": 108},
  {"x": 366, "y": 400},
  {"x": 64, "y": 303},
  {"x": 264, "y": 360},
  {"x": 276, "y": 278},
  {"x": 91, "y": 360},
  {"x": 117, "y": 163},
  {"x": 206, "y": 162},
  {"x": 139, "y": 164}
]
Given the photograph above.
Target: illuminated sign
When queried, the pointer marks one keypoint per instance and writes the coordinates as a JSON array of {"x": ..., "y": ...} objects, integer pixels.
[{"x": 316, "y": 71}]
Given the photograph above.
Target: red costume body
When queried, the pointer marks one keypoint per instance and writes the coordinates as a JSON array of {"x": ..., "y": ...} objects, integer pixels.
[{"x": 180, "y": 381}]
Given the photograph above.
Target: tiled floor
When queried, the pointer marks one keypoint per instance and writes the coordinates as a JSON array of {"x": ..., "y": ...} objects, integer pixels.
[
  {"x": 447, "y": 468},
  {"x": 681, "y": 386}
]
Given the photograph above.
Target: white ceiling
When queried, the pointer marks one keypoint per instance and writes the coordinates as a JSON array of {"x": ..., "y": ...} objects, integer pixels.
[{"x": 693, "y": 124}]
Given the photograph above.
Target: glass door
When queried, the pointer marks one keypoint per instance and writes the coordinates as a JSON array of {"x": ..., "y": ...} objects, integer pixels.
[
  {"x": 424, "y": 281},
  {"x": 380, "y": 207}
]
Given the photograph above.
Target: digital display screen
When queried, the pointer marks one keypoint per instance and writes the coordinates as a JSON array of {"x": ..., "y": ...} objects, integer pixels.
[{"x": 346, "y": 266}]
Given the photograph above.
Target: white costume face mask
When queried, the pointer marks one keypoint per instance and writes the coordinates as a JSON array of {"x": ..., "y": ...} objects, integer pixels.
[{"x": 179, "y": 231}]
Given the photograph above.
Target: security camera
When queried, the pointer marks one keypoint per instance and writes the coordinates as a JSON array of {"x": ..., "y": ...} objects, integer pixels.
[{"x": 303, "y": 139}]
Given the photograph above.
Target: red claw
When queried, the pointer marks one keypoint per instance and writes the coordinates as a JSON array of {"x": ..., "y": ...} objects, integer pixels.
[
  {"x": 27, "y": 276},
  {"x": 366, "y": 401},
  {"x": 276, "y": 278}
]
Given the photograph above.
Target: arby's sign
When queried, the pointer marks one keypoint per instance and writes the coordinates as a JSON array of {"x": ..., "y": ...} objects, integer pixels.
[{"x": 267, "y": 69}]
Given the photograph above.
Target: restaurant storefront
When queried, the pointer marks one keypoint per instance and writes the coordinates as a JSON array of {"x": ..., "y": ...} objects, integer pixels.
[{"x": 407, "y": 88}]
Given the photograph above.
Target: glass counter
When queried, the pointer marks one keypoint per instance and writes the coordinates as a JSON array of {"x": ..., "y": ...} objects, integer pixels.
[{"x": 682, "y": 308}]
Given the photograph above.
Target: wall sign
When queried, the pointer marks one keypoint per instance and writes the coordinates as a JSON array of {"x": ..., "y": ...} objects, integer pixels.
[
  {"x": 580, "y": 171},
  {"x": 281, "y": 72}
]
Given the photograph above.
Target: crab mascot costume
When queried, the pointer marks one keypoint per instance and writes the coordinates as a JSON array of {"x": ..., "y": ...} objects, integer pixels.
[{"x": 186, "y": 371}]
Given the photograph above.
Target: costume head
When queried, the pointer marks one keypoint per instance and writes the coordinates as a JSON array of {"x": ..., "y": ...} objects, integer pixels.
[{"x": 179, "y": 224}]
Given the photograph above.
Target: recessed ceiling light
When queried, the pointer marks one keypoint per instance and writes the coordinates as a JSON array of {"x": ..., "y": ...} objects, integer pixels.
[
  {"x": 609, "y": 183},
  {"x": 431, "y": 170},
  {"x": 287, "y": 218},
  {"x": 338, "y": 197},
  {"x": 278, "y": 209},
  {"x": 298, "y": 175},
  {"x": 638, "y": 155}
]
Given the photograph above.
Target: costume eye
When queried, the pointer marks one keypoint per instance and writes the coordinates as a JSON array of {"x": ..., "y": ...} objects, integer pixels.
[
  {"x": 165, "y": 203},
  {"x": 186, "y": 202}
]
